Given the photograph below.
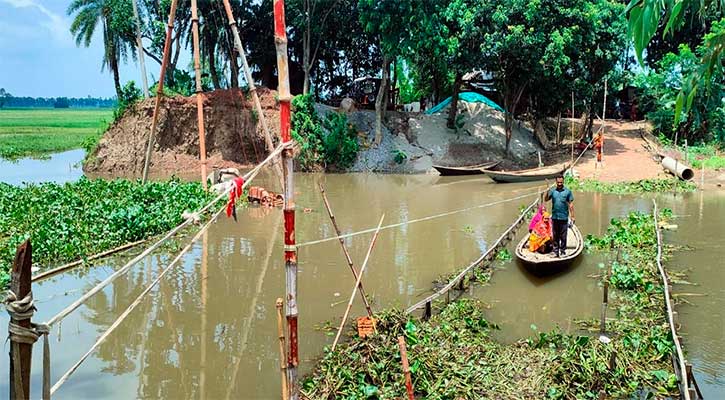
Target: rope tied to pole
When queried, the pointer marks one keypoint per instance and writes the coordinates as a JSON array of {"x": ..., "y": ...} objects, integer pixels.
[{"x": 22, "y": 309}]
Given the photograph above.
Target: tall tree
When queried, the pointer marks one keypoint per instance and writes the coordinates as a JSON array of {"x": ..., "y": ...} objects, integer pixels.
[
  {"x": 115, "y": 19},
  {"x": 4, "y": 97},
  {"x": 389, "y": 20}
]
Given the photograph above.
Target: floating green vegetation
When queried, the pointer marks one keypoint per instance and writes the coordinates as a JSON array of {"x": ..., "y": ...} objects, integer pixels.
[
  {"x": 643, "y": 186},
  {"x": 453, "y": 356},
  {"x": 75, "y": 220}
]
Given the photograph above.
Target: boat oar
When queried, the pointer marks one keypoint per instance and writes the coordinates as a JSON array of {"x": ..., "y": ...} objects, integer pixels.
[{"x": 357, "y": 283}]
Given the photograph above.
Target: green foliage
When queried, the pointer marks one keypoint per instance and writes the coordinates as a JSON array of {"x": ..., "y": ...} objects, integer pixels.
[
  {"x": 76, "y": 220},
  {"x": 128, "y": 96},
  {"x": 39, "y": 132},
  {"x": 636, "y": 230},
  {"x": 399, "y": 156},
  {"x": 441, "y": 356},
  {"x": 708, "y": 155},
  {"x": 329, "y": 142},
  {"x": 641, "y": 186},
  {"x": 625, "y": 276},
  {"x": 4, "y": 97},
  {"x": 660, "y": 89},
  {"x": 504, "y": 255}
]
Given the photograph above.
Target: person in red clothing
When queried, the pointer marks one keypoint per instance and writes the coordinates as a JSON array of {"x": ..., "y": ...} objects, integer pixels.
[{"x": 599, "y": 146}]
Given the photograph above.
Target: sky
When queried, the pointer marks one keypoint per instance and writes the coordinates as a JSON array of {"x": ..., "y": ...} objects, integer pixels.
[{"x": 39, "y": 57}]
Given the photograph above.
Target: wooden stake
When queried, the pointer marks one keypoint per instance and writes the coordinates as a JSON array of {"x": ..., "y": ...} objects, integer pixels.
[
  {"x": 282, "y": 360},
  {"x": 605, "y": 302},
  {"x": 159, "y": 90},
  {"x": 357, "y": 283},
  {"x": 199, "y": 90},
  {"x": 20, "y": 284},
  {"x": 406, "y": 367},
  {"x": 558, "y": 128},
  {"x": 344, "y": 250}
]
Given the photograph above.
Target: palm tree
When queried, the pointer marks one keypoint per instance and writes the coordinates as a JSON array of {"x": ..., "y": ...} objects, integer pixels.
[{"x": 114, "y": 17}]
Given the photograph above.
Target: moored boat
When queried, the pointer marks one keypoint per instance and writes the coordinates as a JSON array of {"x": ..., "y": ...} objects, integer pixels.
[
  {"x": 465, "y": 170},
  {"x": 547, "y": 264},
  {"x": 527, "y": 175}
]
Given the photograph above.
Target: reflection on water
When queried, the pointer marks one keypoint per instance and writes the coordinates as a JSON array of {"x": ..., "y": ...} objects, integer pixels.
[
  {"x": 209, "y": 329},
  {"x": 701, "y": 223},
  {"x": 60, "y": 167}
]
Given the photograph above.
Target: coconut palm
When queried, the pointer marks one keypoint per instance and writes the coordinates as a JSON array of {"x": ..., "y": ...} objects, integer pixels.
[{"x": 115, "y": 19}]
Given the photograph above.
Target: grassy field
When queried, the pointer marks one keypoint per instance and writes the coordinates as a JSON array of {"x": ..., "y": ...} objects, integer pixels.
[{"x": 37, "y": 132}]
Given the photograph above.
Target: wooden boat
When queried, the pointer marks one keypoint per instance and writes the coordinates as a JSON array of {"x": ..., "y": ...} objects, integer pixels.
[
  {"x": 546, "y": 264},
  {"x": 465, "y": 170},
  {"x": 527, "y": 175}
]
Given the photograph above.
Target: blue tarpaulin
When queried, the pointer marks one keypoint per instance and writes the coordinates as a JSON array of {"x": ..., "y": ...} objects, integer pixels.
[{"x": 470, "y": 97}]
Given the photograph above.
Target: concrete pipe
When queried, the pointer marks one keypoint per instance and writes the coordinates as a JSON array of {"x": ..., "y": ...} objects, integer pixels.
[{"x": 677, "y": 168}]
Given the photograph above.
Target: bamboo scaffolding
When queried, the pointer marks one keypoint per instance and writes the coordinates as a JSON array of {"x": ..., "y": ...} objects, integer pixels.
[
  {"x": 159, "y": 90},
  {"x": 357, "y": 284},
  {"x": 344, "y": 250},
  {"x": 290, "y": 250},
  {"x": 250, "y": 82},
  {"x": 199, "y": 90}
]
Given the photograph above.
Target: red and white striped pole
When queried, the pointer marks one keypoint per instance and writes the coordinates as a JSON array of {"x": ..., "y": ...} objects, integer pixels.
[{"x": 290, "y": 250}]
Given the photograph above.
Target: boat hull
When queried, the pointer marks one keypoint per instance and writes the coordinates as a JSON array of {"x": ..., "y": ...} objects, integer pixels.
[
  {"x": 529, "y": 175},
  {"x": 467, "y": 170},
  {"x": 547, "y": 264}
]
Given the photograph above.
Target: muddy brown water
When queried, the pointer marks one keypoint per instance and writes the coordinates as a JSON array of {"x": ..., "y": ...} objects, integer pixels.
[{"x": 209, "y": 329}]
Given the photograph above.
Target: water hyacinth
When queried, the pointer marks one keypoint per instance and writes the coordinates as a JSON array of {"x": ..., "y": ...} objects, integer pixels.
[{"x": 75, "y": 220}]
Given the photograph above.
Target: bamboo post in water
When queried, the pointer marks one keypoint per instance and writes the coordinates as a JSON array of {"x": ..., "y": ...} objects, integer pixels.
[
  {"x": 159, "y": 89},
  {"x": 344, "y": 250},
  {"x": 250, "y": 80},
  {"x": 406, "y": 367},
  {"x": 282, "y": 361},
  {"x": 572, "y": 131},
  {"x": 21, "y": 352},
  {"x": 199, "y": 90},
  {"x": 290, "y": 249},
  {"x": 357, "y": 283}
]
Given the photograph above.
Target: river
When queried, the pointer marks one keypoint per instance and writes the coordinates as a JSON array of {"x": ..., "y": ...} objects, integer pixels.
[{"x": 209, "y": 329}]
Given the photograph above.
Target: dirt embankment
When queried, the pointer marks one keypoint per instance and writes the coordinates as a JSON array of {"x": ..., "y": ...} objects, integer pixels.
[
  {"x": 233, "y": 135},
  {"x": 411, "y": 143}
]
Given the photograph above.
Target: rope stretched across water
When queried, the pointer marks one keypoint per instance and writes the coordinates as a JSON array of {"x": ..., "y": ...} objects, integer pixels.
[
  {"x": 428, "y": 218},
  {"x": 123, "y": 270}
]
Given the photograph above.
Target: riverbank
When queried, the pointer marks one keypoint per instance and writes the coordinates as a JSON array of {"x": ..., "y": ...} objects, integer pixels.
[
  {"x": 75, "y": 220},
  {"x": 553, "y": 365},
  {"x": 37, "y": 133}
]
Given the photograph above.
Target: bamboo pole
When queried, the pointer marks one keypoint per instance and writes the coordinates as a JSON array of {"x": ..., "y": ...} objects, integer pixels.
[
  {"x": 282, "y": 361},
  {"x": 204, "y": 298},
  {"x": 572, "y": 131},
  {"x": 199, "y": 90},
  {"x": 344, "y": 250},
  {"x": 159, "y": 89},
  {"x": 406, "y": 367},
  {"x": 250, "y": 80},
  {"x": 357, "y": 284},
  {"x": 21, "y": 354},
  {"x": 669, "y": 309},
  {"x": 139, "y": 48}
]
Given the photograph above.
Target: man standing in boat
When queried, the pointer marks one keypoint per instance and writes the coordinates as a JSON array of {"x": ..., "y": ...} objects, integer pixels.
[{"x": 562, "y": 209}]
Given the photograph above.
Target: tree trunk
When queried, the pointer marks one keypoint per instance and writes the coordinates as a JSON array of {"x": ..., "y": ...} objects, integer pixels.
[
  {"x": 211, "y": 57},
  {"x": 380, "y": 106},
  {"x": 233, "y": 70},
  {"x": 454, "y": 102},
  {"x": 436, "y": 90},
  {"x": 395, "y": 82},
  {"x": 116, "y": 77}
]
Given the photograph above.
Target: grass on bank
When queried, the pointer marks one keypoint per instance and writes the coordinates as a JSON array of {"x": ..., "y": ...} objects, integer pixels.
[
  {"x": 75, "y": 220},
  {"x": 33, "y": 132},
  {"x": 453, "y": 356},
  {"x": 642, "y": 186}
]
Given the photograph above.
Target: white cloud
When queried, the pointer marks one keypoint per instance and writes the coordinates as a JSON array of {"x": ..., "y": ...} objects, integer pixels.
[{"x": 56, "y": 24}]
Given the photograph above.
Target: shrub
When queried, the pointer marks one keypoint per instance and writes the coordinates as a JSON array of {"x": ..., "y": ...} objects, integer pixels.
[{"x": 130, "y": 94}]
